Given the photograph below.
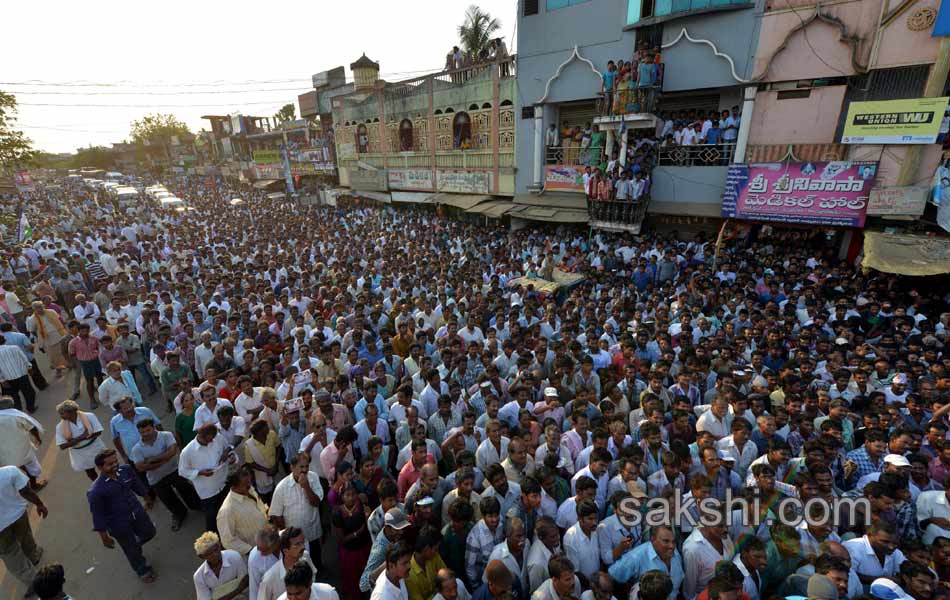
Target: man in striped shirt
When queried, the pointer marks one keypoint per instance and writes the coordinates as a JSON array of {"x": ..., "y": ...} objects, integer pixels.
[{"x": 14, "y": 376}]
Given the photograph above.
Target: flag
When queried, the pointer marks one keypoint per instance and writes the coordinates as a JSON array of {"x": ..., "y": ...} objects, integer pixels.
[{"x": 24, "y": 231}]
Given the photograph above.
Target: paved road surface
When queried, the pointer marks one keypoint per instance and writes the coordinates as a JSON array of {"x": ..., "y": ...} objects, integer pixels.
[{"x": 67, "y": 536}]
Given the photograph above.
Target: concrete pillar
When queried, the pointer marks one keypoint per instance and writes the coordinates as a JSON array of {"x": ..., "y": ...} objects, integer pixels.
[
  {"x": 495, "y": 116},
  {"x": 430, "y": 132},
  {"x": 933, "y": 89},
  {"x": 610, "y": 142},
  {"x": 748, "y": 108},
  {"x": 538, "y": 146},
  {"x": 623, "y": 149}
]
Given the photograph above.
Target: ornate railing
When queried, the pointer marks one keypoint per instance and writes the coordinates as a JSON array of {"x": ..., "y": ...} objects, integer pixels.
[{"x": 698, "y": 155}]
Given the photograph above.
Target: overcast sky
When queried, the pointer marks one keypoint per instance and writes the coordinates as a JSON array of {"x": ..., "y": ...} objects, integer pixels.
[{"x": 265, "y": 50}]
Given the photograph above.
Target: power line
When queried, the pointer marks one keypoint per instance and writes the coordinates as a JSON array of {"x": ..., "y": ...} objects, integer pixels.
[
  {"x": 282, "y": 101},
  {"x": 168, "y": 84},
  {"x": 180, "y": 93}
]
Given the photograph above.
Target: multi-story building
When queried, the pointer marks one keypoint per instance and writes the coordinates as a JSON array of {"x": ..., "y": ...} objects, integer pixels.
[
  {"x": 448, "y": 137},
  {"x": 696, "y": 56}
]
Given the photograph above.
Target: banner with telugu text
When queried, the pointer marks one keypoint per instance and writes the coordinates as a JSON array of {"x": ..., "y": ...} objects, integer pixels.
[{"x": 815, "y": 193}]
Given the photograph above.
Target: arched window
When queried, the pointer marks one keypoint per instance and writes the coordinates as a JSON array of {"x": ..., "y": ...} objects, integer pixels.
[
  {"x": 462, "y": 131},
  {"x": 405, "y": 135},
  {"x": 362, "y": 140}
]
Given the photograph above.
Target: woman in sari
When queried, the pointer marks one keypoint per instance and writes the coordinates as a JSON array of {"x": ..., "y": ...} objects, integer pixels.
[{"x": 354, "y": 543}]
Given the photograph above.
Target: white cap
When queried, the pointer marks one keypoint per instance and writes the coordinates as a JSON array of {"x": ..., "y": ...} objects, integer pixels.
[
  {"x": 897, "y": 460},
  {"x": 550, "y": 391}
]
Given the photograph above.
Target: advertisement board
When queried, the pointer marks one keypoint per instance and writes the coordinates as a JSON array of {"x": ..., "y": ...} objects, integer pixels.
[
  {"x": 410, "y": 179},
  {"x": 904, "y": 201},
  {"x": 564, "y": 178},
  {"x": 266, "y": 157},
  {"x": 910, "y": 121},
  {"x": 371, "y": 181},
  {"x": 464, "y": 182},
  {"x": 816, "y": 193}
]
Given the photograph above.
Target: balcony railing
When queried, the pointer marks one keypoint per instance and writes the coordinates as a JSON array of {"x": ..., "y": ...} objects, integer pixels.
[
  {"x": 623, "y": 214},
  {"x": 573, "y": 154},
  {"x": 628, "y": 101},
  {"x": 698, "y": 155}
]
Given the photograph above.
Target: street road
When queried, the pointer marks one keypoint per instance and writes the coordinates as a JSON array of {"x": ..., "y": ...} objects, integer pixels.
[{"x": 94, "y": 572}]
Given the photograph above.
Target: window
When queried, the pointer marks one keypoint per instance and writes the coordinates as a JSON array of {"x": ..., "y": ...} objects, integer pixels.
[
  {"x": 530, "y": 7},
  {"x": 527, "y": 112},
  {"x": 556, "y": 4},
  {"x": 362, "y": 140},
  {"x": 638, "y": 10},
  {"x": 462, "y": 131},
  {"x": 405, "y": 135}
]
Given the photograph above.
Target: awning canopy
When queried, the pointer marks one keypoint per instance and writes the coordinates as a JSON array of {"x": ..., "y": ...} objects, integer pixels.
[
  {"x": 572, "y": 200},
  {"x": 689, "y": 209},
  {"x": 494, "y": 208},
  {"x": 377, "y": 196},
  {"x": 463, "y": 201},
  {"x": 261, "y": 184},
  {"x": 413, "y": 197},
  {"x": 906, "y": 254},
  {"x": 550, "y": 215}
]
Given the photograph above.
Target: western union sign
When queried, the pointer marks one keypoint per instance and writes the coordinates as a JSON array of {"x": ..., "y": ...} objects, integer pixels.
[{"x": 914, "y": 121}]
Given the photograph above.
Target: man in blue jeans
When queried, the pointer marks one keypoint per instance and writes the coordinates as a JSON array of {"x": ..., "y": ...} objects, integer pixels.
[{"x": 117, "y": 515}]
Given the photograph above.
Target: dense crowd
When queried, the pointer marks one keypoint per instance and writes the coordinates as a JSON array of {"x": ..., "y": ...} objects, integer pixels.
[{"x": 375, "y": 398}]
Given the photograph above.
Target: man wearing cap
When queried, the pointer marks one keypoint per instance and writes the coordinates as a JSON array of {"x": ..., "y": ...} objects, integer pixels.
[
  {"x": 893, "y": 463},
  {"x": 394, "y": 527}
]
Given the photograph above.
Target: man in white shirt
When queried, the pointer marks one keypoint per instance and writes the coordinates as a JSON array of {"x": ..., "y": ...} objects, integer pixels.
[
  {"x": 580, "y": 541},
  {"x": 296, "y": 502},
  {"x": 391, "y": 583},
  {"x": 15, "y": 498},
  {"x": 263, "y": 556},
  {"x": 204, "y": 462},
  {"x": 703, "y": 549},
  {"x": 223, "y": 571},
  {"x": 293, "y": 552},
  {"x": 933, "y": 514},
  {"x": 875, "y": 554},
  {"x": 300, "y": 586}
]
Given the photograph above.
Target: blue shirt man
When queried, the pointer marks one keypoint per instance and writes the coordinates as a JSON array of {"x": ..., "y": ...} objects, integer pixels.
[
  {"x": 125, "y": 434},
  {"x": 658, "y": 553}
]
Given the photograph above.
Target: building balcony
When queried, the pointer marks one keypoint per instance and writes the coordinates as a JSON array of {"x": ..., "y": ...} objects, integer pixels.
[
  {"x": 619, "y": 215},
  {"x": 698, "y": 155}
]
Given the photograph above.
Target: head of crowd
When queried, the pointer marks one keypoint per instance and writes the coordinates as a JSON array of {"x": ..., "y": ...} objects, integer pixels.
[{"x": 373, "y": 401}]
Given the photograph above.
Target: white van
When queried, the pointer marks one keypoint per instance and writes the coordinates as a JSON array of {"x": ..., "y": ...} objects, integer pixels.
[{"x": 171, "y": 202}]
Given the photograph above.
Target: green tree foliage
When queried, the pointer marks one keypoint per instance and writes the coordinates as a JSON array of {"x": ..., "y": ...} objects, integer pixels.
[
  {"x": 15, "y": 148},
  {"x": 286, "y": 113},
  {"x": 475, "y": 33},
  {"x": 157, "y": 127}
]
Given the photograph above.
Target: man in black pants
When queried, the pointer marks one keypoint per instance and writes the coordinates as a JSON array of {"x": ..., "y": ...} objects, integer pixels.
[
  {"x": 156, "y": 456},
  {"x": 15, "y": 376},
  {"x": 117, "y": 515}
]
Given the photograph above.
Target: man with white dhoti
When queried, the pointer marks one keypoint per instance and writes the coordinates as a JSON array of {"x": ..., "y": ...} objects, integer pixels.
[
  {"x": 19, "y": 438},
  {"x": 80, "y": 433}
]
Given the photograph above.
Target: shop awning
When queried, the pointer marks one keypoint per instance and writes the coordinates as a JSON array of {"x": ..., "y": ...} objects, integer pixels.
[
  {"x": 261, "y": 184},
  {"x": 463, "y": 201},
  {"x": 571, "y": 200},
  {"x": 906, "y": 254},
  {"x": 494, "y": 208},
  {"x": 550, "y": 215},
  {"x": 688, "y": 209},
  {"x": 377, "y": 196},
  {"x": 413, "y": 197}
]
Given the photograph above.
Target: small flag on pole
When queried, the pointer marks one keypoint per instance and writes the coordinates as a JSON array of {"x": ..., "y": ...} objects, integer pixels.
[{"x": 24, "y": 231}]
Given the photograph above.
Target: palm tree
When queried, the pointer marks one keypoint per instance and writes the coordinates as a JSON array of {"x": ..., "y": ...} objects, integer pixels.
[{"x": 475, "y": 33}]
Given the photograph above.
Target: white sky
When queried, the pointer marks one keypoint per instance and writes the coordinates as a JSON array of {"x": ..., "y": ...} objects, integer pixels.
[{"x": 146, "y": 47}]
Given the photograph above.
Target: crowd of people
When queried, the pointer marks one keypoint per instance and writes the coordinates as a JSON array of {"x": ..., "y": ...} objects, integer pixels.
[{"x": 368, "y": 402}]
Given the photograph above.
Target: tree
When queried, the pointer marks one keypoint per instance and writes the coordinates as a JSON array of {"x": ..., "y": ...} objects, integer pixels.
[
  {"x": 94, "y": 156},
  {"x": 157, "y": 127},
  {"x": 286, "y": 113},
  {"x": 475, "y": 33},
  {"x": 15, "y": 148}
]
